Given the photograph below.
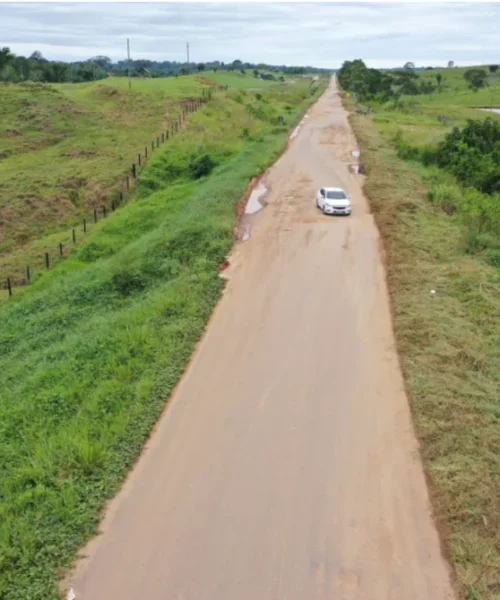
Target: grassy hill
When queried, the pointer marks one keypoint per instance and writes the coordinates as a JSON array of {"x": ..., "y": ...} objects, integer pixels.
[
  {"x": 67, "y": 148},
  {"x": 92, "y": 349}
]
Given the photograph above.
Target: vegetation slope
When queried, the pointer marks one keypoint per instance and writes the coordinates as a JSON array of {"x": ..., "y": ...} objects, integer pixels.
[
  {"x": 442, "y": 233},
  {"x": 66, "y": 148}
]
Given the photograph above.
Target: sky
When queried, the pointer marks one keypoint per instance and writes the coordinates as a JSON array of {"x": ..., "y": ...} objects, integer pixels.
[{"x": 316, "y": 34}]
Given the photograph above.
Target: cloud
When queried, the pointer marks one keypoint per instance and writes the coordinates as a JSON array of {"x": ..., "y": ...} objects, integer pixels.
[{"x": 319, "y": 34}]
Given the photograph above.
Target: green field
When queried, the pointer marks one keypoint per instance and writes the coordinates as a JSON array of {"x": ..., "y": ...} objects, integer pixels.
[
  {"x": 92, "y": 349},
  {"x": 417, "y": 117},
  {"x": 448, "y": 342},
  {"x": 238, "y": 80}
]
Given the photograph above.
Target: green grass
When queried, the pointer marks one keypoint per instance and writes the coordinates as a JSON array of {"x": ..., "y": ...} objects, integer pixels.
[
  {"x": 66, "y": 148},
  {"x": 455, "y": 89},
  {"x": 238, "y": 80},
  {"x": 92, "y": 349},
  {"x": 448, "y": 343}
]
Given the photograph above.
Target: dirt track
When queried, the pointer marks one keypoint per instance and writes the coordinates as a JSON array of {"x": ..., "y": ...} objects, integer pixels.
[{"x": 286, "y": 467}]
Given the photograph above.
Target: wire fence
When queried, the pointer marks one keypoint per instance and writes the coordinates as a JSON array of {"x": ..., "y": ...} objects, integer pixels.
[{"x": 119, "y": 196}]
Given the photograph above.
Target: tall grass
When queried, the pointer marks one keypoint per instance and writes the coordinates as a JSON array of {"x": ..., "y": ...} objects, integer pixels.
[
  {"x": 448, "y": 343},
  {"x": 91, "y": 351}
]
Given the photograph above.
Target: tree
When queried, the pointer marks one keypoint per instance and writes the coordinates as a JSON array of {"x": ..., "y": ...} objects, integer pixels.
[
  {"x": 439, "y": 79},
  {"x": 451, "y": 64},
  {"x": 6, "y": 57},
  {"x": 200, "y": 67},
  {"x": 493, "y": 68},
  {"x": 103, "y": 61},
  {"x": 255, "y": 73},
  {"x": 406, "y": 81},
  {"x": 354, "y": 76},
  {"x": 56, "y": 72},
  {"x": 476, "y": 78},
  {"x": 37, "y": 55},
  {"x": 242, "y": 71},
  {"x": 409, "y": 65}
]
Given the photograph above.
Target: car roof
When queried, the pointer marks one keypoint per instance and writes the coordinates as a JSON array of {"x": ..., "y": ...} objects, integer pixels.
[{"x": 333, "y": 189}]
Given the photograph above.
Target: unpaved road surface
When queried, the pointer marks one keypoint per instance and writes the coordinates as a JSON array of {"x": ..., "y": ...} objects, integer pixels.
[{"x": 285, "y": 467}]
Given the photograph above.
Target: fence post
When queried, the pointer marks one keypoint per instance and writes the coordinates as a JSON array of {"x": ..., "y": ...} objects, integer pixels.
[
  {"x": 157, "y": 142},
  {"x": 95, "y": 213},
  {"x": 168, "y": 135},
  {"x": 28, "y": 275},
  {"x": 112, "y": 205},
  {"x": 128, "y": 182},
  {"x": 162, "y": 138},
  {"x": 133, "y": 171},
  {"x": 84, "y": 225},
  {"x": 74, "y": 236},
  {"x": 47, "y": 260},
  {"x": 9, "y": 287},
  {"x": 121, "y": 196},
  {"x": 103, "y": 211},
  {"x": 139, "y": 159},
  {"x": 153, "y": 145},
  {"x": 145, "y": 152},
  {"x": 61, "y": 249}
]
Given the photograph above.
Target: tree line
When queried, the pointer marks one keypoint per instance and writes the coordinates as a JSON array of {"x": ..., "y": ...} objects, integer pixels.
[
  {"x": 16, "y": 69},
  {"x": 373, "y": 84}
]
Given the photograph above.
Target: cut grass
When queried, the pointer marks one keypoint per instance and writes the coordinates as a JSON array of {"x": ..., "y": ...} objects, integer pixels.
[
  {"x": 92, "y": 349},
  {"x": 450, "y": 355}
]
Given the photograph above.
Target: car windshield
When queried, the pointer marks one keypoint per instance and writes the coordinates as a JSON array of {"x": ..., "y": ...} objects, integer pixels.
[{"x": 335, "y": 195}]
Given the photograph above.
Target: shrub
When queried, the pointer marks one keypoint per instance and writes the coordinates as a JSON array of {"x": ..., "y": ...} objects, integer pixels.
[
  {"x": 476, "y": 78},
  {"x": 201, "y": 166},
  {"x": 472, "y": 154}
]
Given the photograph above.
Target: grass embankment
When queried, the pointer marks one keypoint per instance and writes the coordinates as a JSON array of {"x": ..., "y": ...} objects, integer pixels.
[
  {"x": 448, "y": 342},
  {"x": 92, "y": 349},
  {"x": 66, "y": 148}
]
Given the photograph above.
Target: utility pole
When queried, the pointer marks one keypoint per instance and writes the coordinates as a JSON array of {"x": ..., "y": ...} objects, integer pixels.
[
  {"x": 128, "y": 54},
  {"x": 187, "y": 51}
]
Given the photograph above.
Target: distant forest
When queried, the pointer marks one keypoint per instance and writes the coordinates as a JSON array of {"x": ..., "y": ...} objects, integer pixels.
[{"x": 37, "y": 68}]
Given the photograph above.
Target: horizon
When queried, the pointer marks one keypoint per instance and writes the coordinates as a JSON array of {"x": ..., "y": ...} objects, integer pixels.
[{"x": 274, "y": 33}]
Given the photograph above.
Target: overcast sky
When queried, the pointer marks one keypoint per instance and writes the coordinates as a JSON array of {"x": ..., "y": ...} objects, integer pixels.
[{"x": 322, "y": 35}]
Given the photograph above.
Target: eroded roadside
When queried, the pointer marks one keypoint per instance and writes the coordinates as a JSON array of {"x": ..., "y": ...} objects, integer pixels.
[{"x": 286, "y": 465}]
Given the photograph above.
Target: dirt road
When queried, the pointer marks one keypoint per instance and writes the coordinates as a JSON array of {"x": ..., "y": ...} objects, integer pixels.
[{"x": 286, "y": 467}]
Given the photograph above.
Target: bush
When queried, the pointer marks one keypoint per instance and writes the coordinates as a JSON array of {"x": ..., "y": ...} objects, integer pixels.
[
  {"x": 472, "y": 154},
  {"x": 201, "y": 166},
  {"x": 476, "y": 78}
]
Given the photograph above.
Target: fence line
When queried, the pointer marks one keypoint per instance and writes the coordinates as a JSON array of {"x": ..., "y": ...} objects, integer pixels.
[{"x": 190, "y": 107}]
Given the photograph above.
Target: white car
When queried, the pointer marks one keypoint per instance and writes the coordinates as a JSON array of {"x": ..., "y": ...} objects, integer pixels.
[{"x": 333, "y": 201}]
